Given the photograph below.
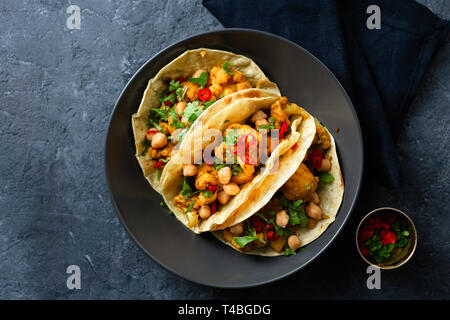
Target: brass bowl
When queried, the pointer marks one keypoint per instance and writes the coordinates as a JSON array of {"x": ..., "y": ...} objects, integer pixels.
[{"x": 401, "y": 255}]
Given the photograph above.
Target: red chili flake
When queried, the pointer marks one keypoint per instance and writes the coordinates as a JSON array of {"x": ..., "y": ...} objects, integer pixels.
[
  {"x": 283, "y": 130},
  {"x": 213, "y": 207},
  {"x": 212, "y": 188},
  {"x": 387, "y": 237},
  {"x": 294, "y": 146},
  {"x": 180, "y": 79},
  {"x": 204, "y": 94},
  {"x": 257, "y": 223},
  {"x": 158, "y": 164},
  {"x": 316, "y": 159}
]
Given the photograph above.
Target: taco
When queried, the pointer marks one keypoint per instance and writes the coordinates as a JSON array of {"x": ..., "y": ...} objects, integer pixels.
[
  {"x": 299, "y": 212},
  {"x": 257, "y": 137},
  {"x": 178, "y": 95}
]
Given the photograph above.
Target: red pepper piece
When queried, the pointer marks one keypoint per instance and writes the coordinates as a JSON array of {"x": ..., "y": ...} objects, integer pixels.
[
  {"x": 180, "y": 79},
  {"x": 204, "y": 94},
  {"x": 158, "y": 164},
  {"x": 269, "y": 226},
  {"x": 294, "y": 146},
  {"x": 387, "y": 237},
  {"x": 283, "y": 130},
  {"x": 366, "y": 233},
  {"x": 364, "y": 251}
]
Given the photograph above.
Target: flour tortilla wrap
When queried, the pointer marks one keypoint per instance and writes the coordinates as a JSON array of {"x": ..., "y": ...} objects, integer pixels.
[
  {"x": 184, "y": 66},
  {"x": 330, "y": 200},
  {"x": 257, "y": 192}
]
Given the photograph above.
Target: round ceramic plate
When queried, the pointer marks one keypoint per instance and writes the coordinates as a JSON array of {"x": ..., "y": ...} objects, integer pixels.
[{"x": 202, "y": 258}]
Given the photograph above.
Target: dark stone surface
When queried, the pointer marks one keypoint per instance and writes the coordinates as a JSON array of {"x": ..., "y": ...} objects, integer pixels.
[{"x": 58, "y": 87}]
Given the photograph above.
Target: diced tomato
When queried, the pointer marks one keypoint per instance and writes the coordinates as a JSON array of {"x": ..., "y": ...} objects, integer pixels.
[
  {"x": 364, "y": 251},
  {"x": 272, "y": 235},
  {"x": 180, "y": 79},
  {"x": 257, "y": 223},
  {"x": 204, "y": 94},
  {"x": 366, "y": 233},
  {"x": 269, "y": 226}
]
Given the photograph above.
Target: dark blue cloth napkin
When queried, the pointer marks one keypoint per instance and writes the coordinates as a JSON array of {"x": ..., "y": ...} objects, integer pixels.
[{"x": 380, "y": 69}]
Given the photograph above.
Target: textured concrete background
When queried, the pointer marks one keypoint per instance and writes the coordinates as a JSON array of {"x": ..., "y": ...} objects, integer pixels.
[{"x": 57, "y": 89}]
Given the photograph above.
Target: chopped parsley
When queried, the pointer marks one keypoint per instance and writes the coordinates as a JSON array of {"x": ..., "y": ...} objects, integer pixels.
[
  {"x": 147, "y": 144},
  {"x": 244, "y": 240},
  {"x": 226, "y": 66},
  {"x": 190, "y": 206},
  {"x": 201, "y": 81},
  {"x": 231, "y": 137},
  {"x": 186, "y": 190},
  {"x": 325, "y": 178},
  {"x": 208, "y": 103},
  {"x": 207, "y": 194},
  {"x": 288, "y": 251},
  {"x": 270, "y": 126},
  {"x": 192, "y": 111}
]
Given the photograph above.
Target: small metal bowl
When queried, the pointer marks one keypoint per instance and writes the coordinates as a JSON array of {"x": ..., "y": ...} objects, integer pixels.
[{"x": 402, "y": 255}]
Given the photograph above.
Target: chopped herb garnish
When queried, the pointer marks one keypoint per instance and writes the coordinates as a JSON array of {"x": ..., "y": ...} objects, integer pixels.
[
  {"x": 207, "y": 194},
  {"x": 187, "y": 190},
  {"x": 192, "y": 111},
  {"x": 147, "y": 144},
  {"x": 201, "y": 81},
  {"x": 231, "y": 137},
  {"x": 325, "y": 178},
  {"x": 288, "y": 251},
  {"x": 243, "y": 241},
  {"x": 161, "y": 204},
  {"x": 226, "y": 121},
  {"x": 208, "y": 103},
  {"x": 226, "y": 66},
  {"x": 190, "y": 206},
  {"x": 270, "y": 126}
]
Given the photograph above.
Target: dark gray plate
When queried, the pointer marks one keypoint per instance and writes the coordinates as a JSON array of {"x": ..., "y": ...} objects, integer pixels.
[{"x": 202, "y": 258}]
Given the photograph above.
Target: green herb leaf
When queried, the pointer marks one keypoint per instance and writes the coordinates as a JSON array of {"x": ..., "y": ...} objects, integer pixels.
[
  {"x": 192, "y": 111},
  {"x": 288, "y": 251},
  {"x": 231, "y": 137},
  {"x": 190, "y": 206},
  {"x": 207, "y": 194},
  {"x": 209, "y": 103},
  {"x": 270, "y": 126},
  {"x": 147, "y": 144},
  {"x": 325, "y": 178},
  {"x": 186, "y": 190},
  {"x": 226, "y": 66},
  {"x": 243, "y": 241},
  {"x": 201, "y": 81}
]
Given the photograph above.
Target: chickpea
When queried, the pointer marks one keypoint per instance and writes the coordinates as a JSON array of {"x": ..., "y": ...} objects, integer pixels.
[
  {"x": 218, "y": 151},
  {"x": 258, "y": 115},
  {"x": 150, "y": 135},
  {"x": 224, "y": 175},
  {"x": 242, "y": 178},
  {"x": 313, "y": 211},
  {"x": 159, "y": 140},
  {"x": 326, "y": 165},
  {"x": 198, "y": 73},
  {"x": 179, "y": 108},
  {"x": 282, "y": 218},
  {"x": 293, "y": 242},
  {"x": 315, "y": 198},
  {"x": 231, "y": 189},
  {"x": 237, "y": 229},
  {"x": 189, "y": 170},
  {"x": 223, "y": 197},
  {"x": 261, "y": 122},
  {"x": 204, "y": 212}
]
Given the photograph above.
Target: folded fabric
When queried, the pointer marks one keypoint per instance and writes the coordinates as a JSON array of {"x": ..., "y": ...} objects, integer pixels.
[{"x": 380, "y": 68}]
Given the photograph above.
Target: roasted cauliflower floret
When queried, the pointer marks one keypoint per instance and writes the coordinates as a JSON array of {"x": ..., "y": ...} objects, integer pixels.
[
  {"x": 277, "y": 112},
  {"x": 243, "y": 85},
  {"x": 301, "y": 185},
  {"x": 219, "y": 76},
  {"x": 192, "y": 90},
  {"x": 216, "y": 91},
  {"x": 238, "y": 76},
  {"x": 229, "y": 89},
  {"x": 206, "y": 176}
]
